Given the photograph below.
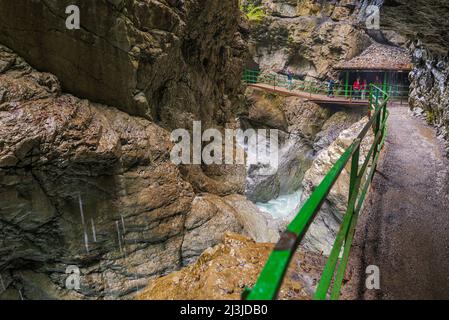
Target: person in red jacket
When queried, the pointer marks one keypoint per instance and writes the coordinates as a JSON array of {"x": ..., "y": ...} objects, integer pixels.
[{"x": 356, "y": 87}]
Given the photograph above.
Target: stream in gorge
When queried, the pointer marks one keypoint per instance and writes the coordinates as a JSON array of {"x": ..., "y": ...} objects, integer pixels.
[
  {"x": 282, "y": 206},
  {"x": 274, "y": 185}
]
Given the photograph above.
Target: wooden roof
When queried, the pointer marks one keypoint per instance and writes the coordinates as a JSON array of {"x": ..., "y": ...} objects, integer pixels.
[{"x": 381, "y": 58}]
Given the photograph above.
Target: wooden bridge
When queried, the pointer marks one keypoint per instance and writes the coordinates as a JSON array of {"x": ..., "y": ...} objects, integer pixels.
[
  {"x": 312, "y": 97},
  {"x": 318, "y": 92}
]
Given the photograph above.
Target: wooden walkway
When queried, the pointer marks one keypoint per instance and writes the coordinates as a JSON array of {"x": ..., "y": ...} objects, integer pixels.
[{"x": 312, "y": 97}]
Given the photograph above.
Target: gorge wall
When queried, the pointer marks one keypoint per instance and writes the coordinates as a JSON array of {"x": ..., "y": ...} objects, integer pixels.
[
  {"x": 169, "y": 61},
  {"x": 308, "y": 37},
  {"x": 423, "y": 23},
  {"x": 418, "y": 19},
  {"x": 89, "y": 183},
  {"x": 429, "y": 93}
]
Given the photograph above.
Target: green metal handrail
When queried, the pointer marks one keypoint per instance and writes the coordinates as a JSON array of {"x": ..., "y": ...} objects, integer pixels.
[
  {"x": 315, "y": 87},
  {"x": 271, "y": 277}
]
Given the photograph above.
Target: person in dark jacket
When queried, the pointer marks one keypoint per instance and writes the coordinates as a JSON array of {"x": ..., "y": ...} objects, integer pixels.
[
  {"x": 330, "y": 87},
  {"x": 290, "y": 79}
]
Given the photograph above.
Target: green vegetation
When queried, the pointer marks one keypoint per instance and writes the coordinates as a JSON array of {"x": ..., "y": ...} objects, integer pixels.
[
  {"x": 253, "y": 9},
  {"x": 430, "y": 117},
  {"x": 275, "y": 100}
]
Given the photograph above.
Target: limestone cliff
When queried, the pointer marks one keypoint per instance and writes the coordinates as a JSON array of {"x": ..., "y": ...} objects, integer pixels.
[
  {"x": 429, "y": 90},
  {"x": 170, "y": 61},
  {"x": 323, "y": 230},
  {"x": 85, "y": 184},
  {"x": 309, "y": 37},
  {"x": 423, "y": 23},
  {"x": 418, "y": 19},
  {"x": 90, "y": 183}
]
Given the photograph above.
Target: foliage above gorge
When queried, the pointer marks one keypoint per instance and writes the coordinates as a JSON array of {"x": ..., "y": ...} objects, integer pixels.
[{"x": 253, "y": 10}]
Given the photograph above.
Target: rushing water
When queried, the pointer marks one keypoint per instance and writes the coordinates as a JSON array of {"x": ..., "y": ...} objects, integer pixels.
[{"x": 282, "y": 206}]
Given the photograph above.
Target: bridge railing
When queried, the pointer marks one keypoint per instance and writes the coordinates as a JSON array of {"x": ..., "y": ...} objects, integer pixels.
[
  {"x": 272, "y": 275},
  {"x": 339, "y": 90}
]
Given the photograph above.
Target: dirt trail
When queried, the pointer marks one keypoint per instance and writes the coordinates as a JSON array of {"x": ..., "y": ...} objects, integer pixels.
[{"x": 404, "y": 227}]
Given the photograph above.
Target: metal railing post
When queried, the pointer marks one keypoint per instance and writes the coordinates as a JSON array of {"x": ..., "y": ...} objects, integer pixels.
[
  {"x": 378, "y": 115},
  {"x": 354, "y": 172},
  {"x": 370, "y": 100}
]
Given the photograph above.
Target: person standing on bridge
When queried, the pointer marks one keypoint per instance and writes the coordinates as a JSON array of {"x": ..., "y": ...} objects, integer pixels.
[
  {"x": 330, "y": 87},
  {"x": 364, "y": 87},
  {"x": 356, "y": 87},
  {"x": 378, "y": 82},
  {"x": 290, "y": 79}
]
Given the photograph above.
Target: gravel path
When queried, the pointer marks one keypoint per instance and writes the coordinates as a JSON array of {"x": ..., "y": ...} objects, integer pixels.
[{"x": 404, "y": 227}]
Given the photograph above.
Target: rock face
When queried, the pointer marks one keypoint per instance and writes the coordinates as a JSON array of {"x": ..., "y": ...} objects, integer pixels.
[
  {"x": 211, "y": 216},
  {"x": 88, "y": 185},
  {"x": 299, "y": 123},
  {"x": 69, "y": 167},
  {"x": 294, "y": 157},
  {"x": 266, "y": 109},
  {"x": 307, "y": 36},
  {"x": 170, "y": 61},
  {"x": 430, "y": 90},
  {"x": 418, "y": 19},
  {"x": 331, "y": 129},
  {"x": 323, "y": 230},
  {"x": 420, "y": 22},
  {"x": 223, "y": 272},
  {"x": 305, "y": 119},
  {"x": 258, "y": 225}
]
